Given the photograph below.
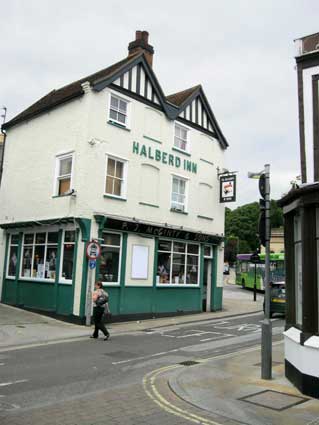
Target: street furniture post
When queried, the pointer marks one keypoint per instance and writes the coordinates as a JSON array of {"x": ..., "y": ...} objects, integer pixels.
[
  {"x": 264, "y": 236},
  {"x": 93, "y": 252},
  {"x": 266, "y": 329}
]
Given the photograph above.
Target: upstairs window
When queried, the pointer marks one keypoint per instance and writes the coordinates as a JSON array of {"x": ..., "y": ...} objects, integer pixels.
[
  {"x": 115, "y": 177},
  {"x": 181, "y": 138},
  {"x": 118, "y": 110},
  {"x": 64, "y": 166},
  {"x": 179, "y": 187}
]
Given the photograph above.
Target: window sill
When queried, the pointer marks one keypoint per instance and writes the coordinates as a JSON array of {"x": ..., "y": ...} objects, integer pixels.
[
  {"x": 65, "y": 282},
  {"x": 10, "y": 278},
  {"x": 30, "y": 279},
  {"x": 61, "y": 196},
  {"x": 181, "y": 151},
  {"x": 178, "y": 211},
  {"x": 118, "y": 125},
  {"x": 110, "y": 284},
  {"x": 118, "y": 198},
  {"x": 176, "y": 285},
  {"x": 149, "y": 205}
]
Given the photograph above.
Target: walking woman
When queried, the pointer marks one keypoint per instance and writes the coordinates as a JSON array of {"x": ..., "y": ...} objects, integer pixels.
[{"x": 100, "y": 305}]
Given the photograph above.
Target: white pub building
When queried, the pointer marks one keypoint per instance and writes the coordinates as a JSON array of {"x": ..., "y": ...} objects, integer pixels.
[{"x": 110, "y": 157}]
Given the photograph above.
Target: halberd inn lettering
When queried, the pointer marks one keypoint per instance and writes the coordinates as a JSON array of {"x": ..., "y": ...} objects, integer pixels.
[{"x": 164, "y": 157}]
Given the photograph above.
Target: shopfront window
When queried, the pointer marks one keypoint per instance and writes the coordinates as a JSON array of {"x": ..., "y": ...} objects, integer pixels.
[
  {"x": 39, "y": 255},
  {"x": 298, "y": 268},
  {"x": 178, "y": 263},
  {"x": 68, "y": 248},
  {"x": 109, "y": 271},
  {"x": 13, "y": 256}
]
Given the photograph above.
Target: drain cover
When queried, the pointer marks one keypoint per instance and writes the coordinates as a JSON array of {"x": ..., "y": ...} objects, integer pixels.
[
  {"x": 188, "y": 363},
  {"x": 273, "y": 400}
]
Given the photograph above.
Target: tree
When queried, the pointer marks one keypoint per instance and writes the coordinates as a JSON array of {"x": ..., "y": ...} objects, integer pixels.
[{"x": 242, "y": 223}]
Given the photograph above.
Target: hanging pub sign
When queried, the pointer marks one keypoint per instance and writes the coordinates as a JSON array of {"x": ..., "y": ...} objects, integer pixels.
[{"x": 227, "y": 188}]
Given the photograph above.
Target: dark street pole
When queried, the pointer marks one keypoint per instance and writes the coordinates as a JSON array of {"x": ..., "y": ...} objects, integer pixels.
[{"x": 266, "y": 328}]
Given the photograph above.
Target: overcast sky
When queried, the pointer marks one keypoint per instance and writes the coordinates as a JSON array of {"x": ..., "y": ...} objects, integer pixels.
[{"x": 242, "y": 52}]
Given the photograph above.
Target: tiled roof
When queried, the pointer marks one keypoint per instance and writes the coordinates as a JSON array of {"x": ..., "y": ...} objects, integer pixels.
[
  {"x": 70, "y": 91},
  {"x": 179, "y": 98}
]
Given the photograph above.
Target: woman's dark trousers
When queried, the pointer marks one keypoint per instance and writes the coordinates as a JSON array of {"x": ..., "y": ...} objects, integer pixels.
[{"x": 98, "y": 321}]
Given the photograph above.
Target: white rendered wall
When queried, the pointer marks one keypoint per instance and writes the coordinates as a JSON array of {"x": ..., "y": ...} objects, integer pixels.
[
  {"x": 308, "y": 119},
  {"x": 111, "y": 140},
  {"x": 303, "y": 357},
  {"x": 29, "y": 164}
]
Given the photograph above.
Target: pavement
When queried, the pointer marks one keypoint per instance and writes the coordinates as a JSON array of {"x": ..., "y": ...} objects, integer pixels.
[{"x": 224, "y": 389}]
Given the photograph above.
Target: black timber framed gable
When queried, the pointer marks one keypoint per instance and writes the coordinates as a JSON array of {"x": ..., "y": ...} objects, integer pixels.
[
  {"x": 196, "y": 112},
  {"x": 137, "y": 80},
  {"x": 134, "y": 77}
]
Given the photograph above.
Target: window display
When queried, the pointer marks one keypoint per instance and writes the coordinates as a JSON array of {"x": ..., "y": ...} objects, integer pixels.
[
  {"x": 39, "y": 255},
  {"x": 68, "y": 255},
  {"x": 13, "y": 256},
  {"x": 178, "y": 263},
  {"x": 110, "y": 258}
]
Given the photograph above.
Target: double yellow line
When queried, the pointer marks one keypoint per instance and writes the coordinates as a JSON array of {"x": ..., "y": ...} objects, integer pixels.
[
  {"x": 163, "y": 403},
  {"x": 149, "y": 384}
]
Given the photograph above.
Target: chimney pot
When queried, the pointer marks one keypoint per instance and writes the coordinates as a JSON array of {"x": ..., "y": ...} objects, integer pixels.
[
  {"x": 145, "y": 37},
  {"x": 140, "y": 44},
  {"x": 138, "y": 35}
]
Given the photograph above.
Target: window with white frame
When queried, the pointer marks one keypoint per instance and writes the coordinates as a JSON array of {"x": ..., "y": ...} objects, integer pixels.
[
  {"x": 179, "y": 194},
  {"x": 178, "y": 263},
  {"x": 181, "y": 138},
  {"x": 63, "y": 181},
  {"x": 118, "y": 111},
  {"x": 67, "y": 260},
  {"x": 110, "y": 259},
  {"x": 13, "y": 256},
  {"x": 115, "y": 177},
  {"x": 39, "y": 254}
]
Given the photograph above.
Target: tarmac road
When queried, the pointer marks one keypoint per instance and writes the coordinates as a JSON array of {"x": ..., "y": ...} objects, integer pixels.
[{"x": 43, "y": 384}]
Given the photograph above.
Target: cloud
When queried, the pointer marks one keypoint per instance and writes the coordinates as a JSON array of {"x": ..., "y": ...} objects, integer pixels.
[{"x": 240, "y": 51}]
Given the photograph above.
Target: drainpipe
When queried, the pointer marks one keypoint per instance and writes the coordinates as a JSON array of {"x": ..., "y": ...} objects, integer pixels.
[{"x": 4, "y": 141}]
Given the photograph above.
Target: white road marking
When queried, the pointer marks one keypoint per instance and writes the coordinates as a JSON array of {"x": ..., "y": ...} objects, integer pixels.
[
  {"x": 1, "y": 364},
  {"x": 163, "y": 353},
  {"x": 4, "y": 384}
]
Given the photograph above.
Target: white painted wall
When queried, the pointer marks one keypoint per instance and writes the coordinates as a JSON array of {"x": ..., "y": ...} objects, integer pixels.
[
  {"x": 308, "y": 119},
  {"x": 119, "y": 142},
  {"x": 303, "y": 357}
]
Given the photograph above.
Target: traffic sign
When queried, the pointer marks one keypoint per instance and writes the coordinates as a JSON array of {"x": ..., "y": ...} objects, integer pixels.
[
  {"x": 92, "y": 264},
  {"x": 93, "y": 250}
]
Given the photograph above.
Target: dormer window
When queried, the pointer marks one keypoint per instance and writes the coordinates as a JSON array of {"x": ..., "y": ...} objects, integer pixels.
[
  {"x": 118, "y": 112},
  {"x": 181, "y": 138}
]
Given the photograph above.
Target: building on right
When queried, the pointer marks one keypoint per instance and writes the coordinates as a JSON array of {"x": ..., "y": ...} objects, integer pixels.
[{"x": 301, "y": 214}]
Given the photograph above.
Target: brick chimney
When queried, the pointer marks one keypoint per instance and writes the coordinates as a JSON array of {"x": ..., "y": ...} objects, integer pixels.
[{"x": 140, "y": 44}]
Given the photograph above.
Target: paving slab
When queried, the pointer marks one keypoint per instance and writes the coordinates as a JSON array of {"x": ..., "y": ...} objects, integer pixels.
[{"x": 231, "y": 386}]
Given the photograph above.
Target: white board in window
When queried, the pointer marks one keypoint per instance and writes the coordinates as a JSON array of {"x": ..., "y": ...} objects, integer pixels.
[{"x": 139, "y": 262}]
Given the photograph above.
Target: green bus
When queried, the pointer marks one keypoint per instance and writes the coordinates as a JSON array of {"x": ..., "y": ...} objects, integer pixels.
[{"x": 245, "y": 270}]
